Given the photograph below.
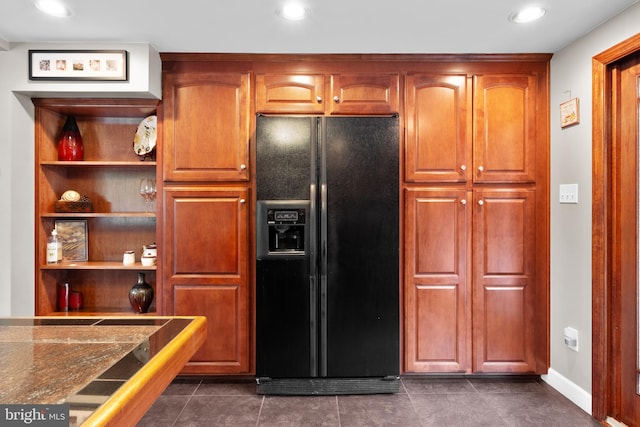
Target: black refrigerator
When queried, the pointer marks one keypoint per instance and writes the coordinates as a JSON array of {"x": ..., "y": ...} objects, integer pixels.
[{"x": 327, "y": 255}]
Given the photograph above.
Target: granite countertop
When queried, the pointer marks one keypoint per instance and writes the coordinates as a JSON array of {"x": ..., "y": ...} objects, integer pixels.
[{"x": 80, "y": 361}]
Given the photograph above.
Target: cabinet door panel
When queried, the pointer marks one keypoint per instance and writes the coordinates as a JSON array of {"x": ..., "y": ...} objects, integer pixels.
[
  {"x": 504, "y": 328},
  {"x": 205, "y": 244},
  {"x": 205, "y": 231},
  {"x": 226, "y": 347},
  {"x": 206, "y": 250},
  {"x": 504, "y": 128},
  {"x": 364, "y": 94},
  {"x": 206, "y": 127},
  {"x": 290, "y": 93},
  {"x": 438, "y": 139},
  {"x": 436, "y": 308}
]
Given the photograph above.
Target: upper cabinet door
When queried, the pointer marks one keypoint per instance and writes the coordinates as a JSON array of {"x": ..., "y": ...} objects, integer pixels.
[
  {"x": 504, "y": 128},
  {"x": 364, "y": 94},
  {"x": 290, "y": 93},
  {"x": 206, "y": 127},
  {"x": 438, "y": 128}
]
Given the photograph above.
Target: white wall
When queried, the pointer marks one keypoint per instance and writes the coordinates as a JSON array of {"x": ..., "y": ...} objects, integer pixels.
[
  {"x": 5, "y": 188},
  {"x": 17, "y": 153},
  {"x": 571, "y": 223}
]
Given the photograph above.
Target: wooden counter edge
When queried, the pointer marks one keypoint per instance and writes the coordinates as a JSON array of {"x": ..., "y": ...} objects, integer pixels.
[{"x": 130, "y": 402}]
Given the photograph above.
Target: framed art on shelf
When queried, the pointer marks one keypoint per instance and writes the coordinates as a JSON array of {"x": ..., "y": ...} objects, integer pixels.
[
  {"x": 105, "y": 65},
  {"x": 73, "y": 235}
]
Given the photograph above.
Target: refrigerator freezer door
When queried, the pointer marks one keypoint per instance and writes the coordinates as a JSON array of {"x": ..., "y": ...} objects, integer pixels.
[{"x": 360, "y": 281}]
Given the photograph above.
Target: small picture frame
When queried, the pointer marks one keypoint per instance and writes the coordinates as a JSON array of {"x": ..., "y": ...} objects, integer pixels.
[
  {"x": 570, "y": 113},
  {"x": 78, "y": 65},
  {"x": 73, "y": 235}
]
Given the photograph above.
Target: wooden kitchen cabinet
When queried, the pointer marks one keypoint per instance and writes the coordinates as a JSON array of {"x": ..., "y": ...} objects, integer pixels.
[
  {"x": 290, "y": 93},
  {"x": 349, "y": 94},
  {"x": 505, "y": 306},
  {"x": 206, "y": 126},
  {"x": 438, "y": 121},
  {"x": 109, "y": 177},
  {"x": 207, "y": 272},
  {"x": 505, "y": 127},
  {"x": 437, "y": 295},
  {"x": 442, "y": 274},
  {"x": 475, "y": 128},
  {"x": 439, "y": 115},
  {"x": 481, "y": 135}
]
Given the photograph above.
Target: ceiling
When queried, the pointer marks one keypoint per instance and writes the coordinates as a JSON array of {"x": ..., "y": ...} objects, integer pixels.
[{"x": 332, "y": 26}]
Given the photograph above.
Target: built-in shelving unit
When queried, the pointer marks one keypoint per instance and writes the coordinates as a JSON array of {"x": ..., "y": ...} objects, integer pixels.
[{"x": 109, "y": 177}]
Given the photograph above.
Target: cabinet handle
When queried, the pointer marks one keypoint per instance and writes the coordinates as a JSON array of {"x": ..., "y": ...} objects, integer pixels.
[
  {"x": 480, "y": 169},
  {"x": 319, "y": 99},
  {"x": 336, "y": 98},
  {"x": 243, "y": 167},
  {"x": 463, "y": 168},
  {"x": 243, "y": 201},
  {"x": 481, "y": 202},
  {"x": 463, "y": 202}
]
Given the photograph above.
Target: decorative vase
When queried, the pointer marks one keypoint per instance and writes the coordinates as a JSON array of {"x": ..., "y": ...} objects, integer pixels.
[
  {"x": 70, "y": 145},
  {"x": 141, "y": 295}
]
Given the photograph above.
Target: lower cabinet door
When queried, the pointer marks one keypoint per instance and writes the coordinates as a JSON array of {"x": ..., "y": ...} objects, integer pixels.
[
  {"x": 437, "y": 319},
  {"x": 504, "y": 294},
  {"x": 205, "y": 232},
  {"x": 226, "y": 349}
]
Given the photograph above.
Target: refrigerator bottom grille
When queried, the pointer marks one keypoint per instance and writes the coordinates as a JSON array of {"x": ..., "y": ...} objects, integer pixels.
[{"x": 327, "y": 386}]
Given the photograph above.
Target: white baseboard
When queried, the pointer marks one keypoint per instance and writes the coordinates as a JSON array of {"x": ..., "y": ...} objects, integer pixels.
[
  {"x": 614, "y": 423},
  {"x": 569, "y": 390}
]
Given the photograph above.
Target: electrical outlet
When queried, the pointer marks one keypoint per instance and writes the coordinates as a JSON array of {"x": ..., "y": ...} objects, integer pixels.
[{"x": 571, "y": 338}]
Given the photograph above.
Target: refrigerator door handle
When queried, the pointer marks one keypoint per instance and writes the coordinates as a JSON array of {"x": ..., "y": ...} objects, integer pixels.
[{"x": 324, "y": 288}]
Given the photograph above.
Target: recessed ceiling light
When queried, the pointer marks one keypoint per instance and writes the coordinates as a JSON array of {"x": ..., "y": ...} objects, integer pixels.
[
  {"x": 53, "y": 8},
  {"x": 293, "y": 11},
  {"x": 528, "y": 14}
]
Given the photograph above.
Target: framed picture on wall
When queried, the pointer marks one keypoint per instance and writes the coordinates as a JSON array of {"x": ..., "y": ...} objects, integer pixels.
[
  {"x": 106, "y": 65},
  {"x": 569, "y": 113},
  {"x": 73, "y": 235}
]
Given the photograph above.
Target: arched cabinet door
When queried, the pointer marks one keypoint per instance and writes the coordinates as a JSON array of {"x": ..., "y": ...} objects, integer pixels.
[
  {"x": 505, "y": 128},
  {"x": 206, "y": 126},
  {"x": 438, "y": 139}
]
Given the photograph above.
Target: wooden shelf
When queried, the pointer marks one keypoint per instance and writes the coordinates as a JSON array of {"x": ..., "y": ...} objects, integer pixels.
[
  {"x": 96, "y": 265},
  {"x": 101, "y": 312},
  {"x": 98, "y": 164},
  {"x": 98, "y": 215}
]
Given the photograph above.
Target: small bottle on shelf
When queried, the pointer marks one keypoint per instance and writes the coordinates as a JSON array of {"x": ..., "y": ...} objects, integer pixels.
[{"x": 54, "y": 248}]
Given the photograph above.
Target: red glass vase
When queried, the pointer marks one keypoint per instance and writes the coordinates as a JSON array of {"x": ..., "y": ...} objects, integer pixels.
[{"x": 70, "y": 145}]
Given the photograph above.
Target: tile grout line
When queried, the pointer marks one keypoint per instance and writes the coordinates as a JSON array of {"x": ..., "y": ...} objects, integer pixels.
[
  {"x": 338, "y": 410},
  {"x": 187, "y": 402},
  {"x": 413, "y": 406},
  {"x": 260, "y": 411}
]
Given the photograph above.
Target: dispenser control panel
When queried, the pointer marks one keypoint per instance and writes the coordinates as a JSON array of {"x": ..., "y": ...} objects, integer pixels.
[{"x": 282, "y": 229}]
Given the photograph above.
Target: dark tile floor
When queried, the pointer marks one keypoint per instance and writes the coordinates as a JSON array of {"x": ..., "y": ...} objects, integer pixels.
[{"x": 421, "y": 401}]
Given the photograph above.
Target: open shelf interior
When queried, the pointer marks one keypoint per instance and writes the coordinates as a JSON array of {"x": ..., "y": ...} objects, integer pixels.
[{"x": 109, "y": 176}]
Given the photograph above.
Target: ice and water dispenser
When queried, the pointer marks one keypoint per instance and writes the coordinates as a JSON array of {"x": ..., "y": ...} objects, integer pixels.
[{"x": 283, "y": 228}]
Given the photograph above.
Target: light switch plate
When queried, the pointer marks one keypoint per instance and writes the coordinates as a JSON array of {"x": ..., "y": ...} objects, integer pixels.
[{"x": 568, "y": 193}]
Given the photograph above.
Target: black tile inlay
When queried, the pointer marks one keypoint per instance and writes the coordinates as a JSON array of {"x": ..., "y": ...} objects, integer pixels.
[{"x": 133, "y": 322}]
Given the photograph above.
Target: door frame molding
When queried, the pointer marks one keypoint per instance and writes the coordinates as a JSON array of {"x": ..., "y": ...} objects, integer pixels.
[{"x": 605, "y": 398}]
